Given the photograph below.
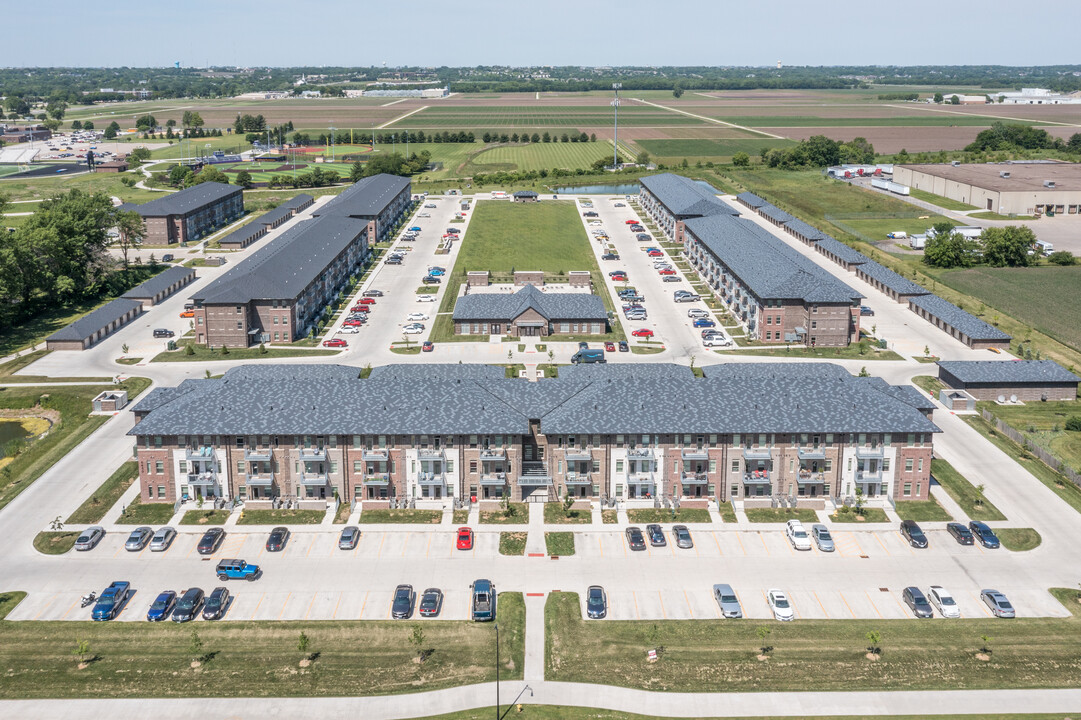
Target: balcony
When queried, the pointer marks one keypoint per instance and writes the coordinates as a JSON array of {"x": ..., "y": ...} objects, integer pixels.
[
  {"x": 870, "y": 452},
  {"x": 812, "y": 453},
  {"x": 258, "y": 454},
  {"x": 428, "y": 478},
  {"x": 494, "y": 479},
  {"x": 261, "y": 479},
  {"x": 694, "y": 478},
  {"x": 869, "y": 475},
  {"x": 757, "y": 477},
  {"x": 493, "y": 454},
  {"x": 377, "y": 480},
  {"x": 431, "y": 454},
  {"x": 578, "y": 454},
  {"x": 201, "y": 453},
  {"x": 640, "y": 452},
  {"x": 313, "y": 479},
  {"x": 807, "y": 477},
  {"x": 758, "y": 453},
  {"x": 534, "y": 474},
  {"x": 579, "y": 479},
  {"x": 203, "y": 479},
  {"x": 313, "y": 453},
  {"x": 371, "y": 455},
  {"x": 695, "y": 453}
]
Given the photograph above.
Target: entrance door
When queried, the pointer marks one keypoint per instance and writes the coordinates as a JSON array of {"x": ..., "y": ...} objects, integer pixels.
[{"x": 989, "y": 204}]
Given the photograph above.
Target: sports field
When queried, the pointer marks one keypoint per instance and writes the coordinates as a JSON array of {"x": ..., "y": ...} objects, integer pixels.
[
  {"x": 539, "y": 156},
  {"x": 263, "y": 171}
]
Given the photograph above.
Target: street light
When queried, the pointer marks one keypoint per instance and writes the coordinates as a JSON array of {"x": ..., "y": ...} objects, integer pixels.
[
  {"x": 497, "y": 671},
  {"x": 615, "y": 130}
]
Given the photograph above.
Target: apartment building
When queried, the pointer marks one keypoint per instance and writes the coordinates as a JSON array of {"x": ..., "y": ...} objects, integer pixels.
[
  {"x": 670, "y": 200},
  {"x": 750, "y": 433},
  {"x": 379, "y": 200},
  {"x": 191, "y": 214},
  {"x": 778, "y": 295}
]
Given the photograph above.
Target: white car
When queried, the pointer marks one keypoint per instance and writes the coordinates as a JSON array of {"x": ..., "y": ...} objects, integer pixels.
[
  {"x": 778, "y": 603},
  {"x": 716, "y": 341},
  {"x": 596, "y": 223},
  {"x": 696, "y": 313},
  {"x": 420, "y": 215},
  {"x": 413, "y": 329},
  {"x": 348, "y": 330},
  {"x": 941, "y": 599},
  {"x": 425, "y": 298},
  {"x": 797, "y": 535},
  {"x": 416, "y": 317}
]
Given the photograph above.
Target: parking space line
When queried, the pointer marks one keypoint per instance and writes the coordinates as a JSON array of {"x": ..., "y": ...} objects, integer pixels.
[
  {"x": 337, "y": 605},
  {"x": 876, "y": 537},
  {"x": 664, "y": 612},
  {"x": 364, "y": 604},
  {"x": 429, "y": 548},
  {"x": 717, "y": 541},
  {"x": 740, "y": 539},
  {"x": 382, "y": 540},
  {"x": 257, "y": 606},
  {"x": 898, "y": 601},
  {"x": 872, "y": 603},
  {"x": 845, "y": 601},
  {"x": 600, "y": 545},
  {"x": 636, "y": 613},
  {"x": 282, "y": 612},
  {"x": 309, "y": 610},
  {"x": 982, "y": 605},
  {"x": 42, "y": 611},
  {"x": 117, "y": 553},
  {"x": 688, "y": 601},
  {"x": 73, "y": 604},
  {"x": 310, "y": 546},
  {"x": 763, "y": 539},
  {"x": 907, "y": 543},
  {"x": 819, "y": 600}
]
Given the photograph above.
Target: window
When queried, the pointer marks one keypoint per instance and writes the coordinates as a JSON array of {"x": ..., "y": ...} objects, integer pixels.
[
  {"x": 333, "y": 467},
  {"x": 159, "y": 467},
  {"x": 596, "y": 465},
  {"x": 161, "y": 491},
  {"x": 358, "y": 466},
  {"x": 240, "y": 467},
  {"x": 908, "y": 464},
  {"x": 619, "y": 466},
  {"x": 908, "y": 489},
  {"x": 473, "y": 466},
  {"x": 814, "y": 309},
  {"x": 450, "y": 466},
  {"x": 829, "y": 465},
  {"x": 769, "y": 319},
  {"x": 275, "y": 319},
  {"x": 885, "y": 464},
  {"x": 238, "y": 309},
  {"x": 921, "y": 465},
  {"x": 735, "y": 466},
  {"x": 814, "y": 324},
  {"x": 183, "y": 467},
  {"x": 239, "y": 325},
  {"x": 919, "y": 488},
  {"x": 733, "y": 491}
]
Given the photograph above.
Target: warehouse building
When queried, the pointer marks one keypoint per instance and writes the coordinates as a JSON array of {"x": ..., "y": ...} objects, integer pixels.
[
  {"x": 191, "y": 214},
  {"x": 245, "y": 236},
  {"x": 1018, "y": 187},
  {"x": 884, "y": 280},
  {"x": 1024, "y": 380}
]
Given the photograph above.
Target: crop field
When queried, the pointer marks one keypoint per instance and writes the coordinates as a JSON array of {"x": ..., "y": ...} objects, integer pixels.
[
  {"x": 708, "y": 148},
  {"x": 1026, "y": 294},
  {"x": 539, "y": 156},
  {"x": 315, "y": 113},
  {"x": 547, "y": 118}
]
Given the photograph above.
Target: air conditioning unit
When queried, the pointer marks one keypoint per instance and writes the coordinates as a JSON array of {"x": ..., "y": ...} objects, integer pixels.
[
  {"x": 1004, "y": 175},
  {"x": 1049, "y": 184}
]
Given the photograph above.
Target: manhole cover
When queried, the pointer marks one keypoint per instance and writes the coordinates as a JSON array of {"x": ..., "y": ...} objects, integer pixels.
[{"x": 883, "y": 589}]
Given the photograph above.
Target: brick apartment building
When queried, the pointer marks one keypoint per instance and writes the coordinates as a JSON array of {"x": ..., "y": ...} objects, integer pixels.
[
  {"x": 671, "y": 200},
  {"x": 752, "y": 433},
  {"x": 191, "y": 214},
  {"x": 378, "y": 200},
  {"x": 280, "y": 291}
]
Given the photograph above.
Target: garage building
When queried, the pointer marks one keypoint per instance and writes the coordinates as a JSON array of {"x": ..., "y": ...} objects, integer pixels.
[{"x": 95, "y": 326}]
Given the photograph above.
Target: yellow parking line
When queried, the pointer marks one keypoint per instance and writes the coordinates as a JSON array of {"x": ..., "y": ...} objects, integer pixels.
[
  {"x": 381, "y": 541},
  {"x": 257, "y": 606},
  {"x": 845, "y": 601},
  {"x": 872, "y": 603},
  {"x": 718, "y": 542},
  {"x": 365, "y": 603},
  {"x": 309, "y": 610},
  {"x": 600, "y": 545},
  {"x": 763, "y": 539},
  {"x": 118, "y": 551},
  {"x": 405, "y": 545},
  {"x": 635, "y": 596},
  {"x": 740, "y": 539},
  {"x": 820, "y": 604},
  {"x": 336, "y": 605},
  {"x": 310, "y": 546},
  {"x": 898, "y": 601},
  {"x": 42, "y": 611},
  {"x": 688, "y": 601},
  {"x": 429, "y": 548},
  {"x": 282, "y": 612},
  {"x": 664, "y": 612},
  {"x": 876, "y": 537},
  {"x": 73, "y": 604},
  {"x": 983, "y": 606}
]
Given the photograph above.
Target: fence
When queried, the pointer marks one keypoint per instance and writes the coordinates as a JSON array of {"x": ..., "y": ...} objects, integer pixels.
[{"x": 1047, "y": 458}]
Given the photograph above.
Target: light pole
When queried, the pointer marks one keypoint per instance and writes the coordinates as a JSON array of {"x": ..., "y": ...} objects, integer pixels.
[
  {"x": 615, "y": 128},
  {"x": 497, "y": 671}
]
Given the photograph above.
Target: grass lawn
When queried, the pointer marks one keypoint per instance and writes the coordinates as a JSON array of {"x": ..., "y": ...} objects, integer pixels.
[
  {"x": 1018, "y": 539},
  {"x": 261, "y": 657},
  {"x": 55, "y": 543},
  {"x": 727, "y": 512},
  {"x": 780, "y": 515},
  {"x": 461, "y": 517},
  {"x": 512, "y": 543},
  {"x": 405, "y": 349},
  {"x": 559, "y": 543},
  {"x": 922, "y": 510},
  {"x": 95, "y": 507},
  {"x": 496, "y": 242},
  {"x": 401, "y": 515},
  {"x": 283, "y": 516},
  {"x": 646, "y": 349},
  {"x": 852, "y": 352},
  {"x": 715, "y": 149},
  {"x": 564, "y": 712},
  {"x": 928, "y": 384},
  {"x": 204, "y": 517},
  {"x": 824, "y": 654},
  {"x": 344, "y": 510},
  {"x": 963, "y": 492},
  {"x": 427, "y": 290},
  {"x": 553, "y": 514},
  {"x": 201, "y": 353},
  {"x": 1044, "y": 423},
  {"x": 609, "y": 517},
  {"x": 139, "y": 513},
  {"x": 988, "y": 215},
  {"x": 515, "y": 514},
  {"x": 942, "y": 202},
  {"x": 661, "y": 515},
  {"x": 870, "y": 515},
  {"x": 536, "y": 156}
]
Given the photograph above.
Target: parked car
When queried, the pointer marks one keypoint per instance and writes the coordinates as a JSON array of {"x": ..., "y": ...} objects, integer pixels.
[
  {"x": 672, "y": 278},
  {"x": 623, "y": 346},
  {"x": 416, "y": 317},
  {"x": 163, "y": 333},
  {"x": 426, "y": 298},
  {"x": 89, "y": 538},
  {"x": 188, "y": 606},
  {"x": 643, "y": 333},
  {"x": 401, "y": 607},
  {"x": 162, "y": 606},
  {"x": 372, "y": 293},
  {"x": 279, "y": 536},
  {"x": 431, "y": 602},
  {"x": 609, "y": 256},
  {"x": 609, "y": 346},
  {"x": 685, "y": 296},
  {"x": 917, "y": 602},
  {"x": 111, "y": 601},
  {"x": 727, "y": 601},
  {"x": 138, "y": 539},
  {"x": 235, "y": 569},
  {"x": 666, "y": 271},
  {"x": 822, "y": 537},
  {"x": 697, "y": 313},
  {"x": 864, "y": 310},
  {"x": 643, "y": 237},
  {"x": 335, "y": 343},
  {"x": 716, "y": 340},
  {"x": 187, "y": 314},
  {"x": 216, "y": 604},
  {"x": 349, "y": 538},
  {"x": 912, "y": 532},
  {"x": 704, "y": 323},
  {"x": 416, "y": 329},
  {"x": 350, "y": 329},
  {"x": 483, "y": 599},
  {"x": 780, "y": 606},
  {"x": 960, "y": 533},
  {"x": 683, "y": 537},
  {"x": 793, "y": 529},
  {"x": 596, "y": 602},
  {"x": 167, "y": 257},
  {"x": 941, "y": 598},
  {"x": 427, "y": 346},
  {"x": 366, "y": 301},
  {"x": 656, "y": 536},
  {"x": 983, "y": 533},
  {"x": 635, "y": 539},
  {"x": 465, "y": 538},
  {"x": 436, "y": 272},
  {"x": 997, "y": 603},
  {"x": 162, "y": 539},
  {"x": 431, "y": 280}
]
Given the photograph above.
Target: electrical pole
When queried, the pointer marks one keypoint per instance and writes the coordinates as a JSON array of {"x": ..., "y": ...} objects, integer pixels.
[
  {"x": 497, "y": 671},
  {"x": 615, "y": 128}
]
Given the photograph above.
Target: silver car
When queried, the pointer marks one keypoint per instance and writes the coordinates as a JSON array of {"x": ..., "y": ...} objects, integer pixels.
[
  {"x": 727, "y": 601},
  {"x": 822, "y": 537},
  {"x": 89, "y": 538},
  {"x": 349, "y": 538},
  {"x": 138, "y": 539},
  {"x": 683, "y": 537},
  {"x": 162, "y": 539}
]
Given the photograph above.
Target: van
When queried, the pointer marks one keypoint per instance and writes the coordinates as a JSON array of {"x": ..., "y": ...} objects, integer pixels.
[
  {"x": 1044, "y": 248},
  {"x": 163, "y": 333},
  {"x": 587, "y": 357}
]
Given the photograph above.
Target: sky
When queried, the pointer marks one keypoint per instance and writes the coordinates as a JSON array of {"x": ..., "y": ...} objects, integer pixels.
[{"x": 151, "y": 33}]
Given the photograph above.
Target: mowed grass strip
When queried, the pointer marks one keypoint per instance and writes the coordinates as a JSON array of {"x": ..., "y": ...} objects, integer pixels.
[
  {"x": 139, "y": 513},
  {"x": 828, "y": 655},
  {"x": 963, "y": 492},
  {"x": 538, "y": 156},
  {"x": 712, "y": 148},
  {"x": 95, "y": 507},
  {"x": 353, "y": 657}
]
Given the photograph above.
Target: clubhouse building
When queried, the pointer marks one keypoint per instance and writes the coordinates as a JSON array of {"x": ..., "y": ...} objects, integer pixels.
[{"x": 530, "y": 312}]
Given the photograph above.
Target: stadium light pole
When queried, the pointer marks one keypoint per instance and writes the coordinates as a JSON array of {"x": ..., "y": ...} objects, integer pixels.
[
  {"x": 615, "y": 127},
  {"x": 332, "y": 129}
]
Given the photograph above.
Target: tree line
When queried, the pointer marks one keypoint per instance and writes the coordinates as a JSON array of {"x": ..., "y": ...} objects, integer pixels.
[
  {"x": 1009, "y": 137},
  {"x": 1010, "y": 246},
  {"x": 816, "y": 151}
]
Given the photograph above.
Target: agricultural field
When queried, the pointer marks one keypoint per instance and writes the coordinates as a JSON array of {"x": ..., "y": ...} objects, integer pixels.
[
  {"x": 716, "y": 150},
  {"x": 557, "y": 118}
]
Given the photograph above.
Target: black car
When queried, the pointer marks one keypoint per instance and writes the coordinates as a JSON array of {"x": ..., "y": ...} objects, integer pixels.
[
  {"x": 401, "y": 607},
  {"x": 960, "y": 533},
  {"x": 596, "y": 602},
  {"x": 372, "y": 293},
  {"x": 635, "y": 539},
  {"x": 431, "y": 280},
  {"x": 278, "y": 537},
  {"x": 642, "y": 237},
  {"x": 216, "y": 604},
  {"x": 984, "y": 534},
  {"x": 917, "y": 602},
  {"x": 163, "y": 333},
  {"x": 210, "y": 541},
  {"x": 623, "y": 346},
  {"x": 609, "y": 256},
  {"x": 188, "y": 606},
  {"x": 431, "y": 602},
  {"x": 913, "y": 534},
  {"x": 656, "y": 536}
]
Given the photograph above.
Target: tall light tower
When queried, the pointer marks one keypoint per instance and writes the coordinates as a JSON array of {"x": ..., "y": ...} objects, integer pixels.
[{"x": 615, "y": 130}]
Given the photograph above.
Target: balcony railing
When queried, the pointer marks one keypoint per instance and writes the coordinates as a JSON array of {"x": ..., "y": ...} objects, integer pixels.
[
  {"x": 202, "y": 479},
  {"x": 427, "y": 478},
  {"x": 811, "y": 476},
  {"x": 313, "y": 453},
  {"x": 574, "y": 478},
  {"x": 869, "y": 475},
  {"x": 431, "y": 453},
  {"x": 640, "y": 452},
  {"x": 869, "y": 452},
  {"x": 494, "y": 479},
  {"x": 757, "y": 453},
  {"x": 641, "y": 478},
  {"x": 258, "y": 454},
  {"x": 812, "y": 453},
  {"x": 200, "y": 453},
  {"x": 694, "y": 478},
  {"x": 314, "y": 478},
  {"x": 695, "y": 453},
  {"x": 493, "y": 454},
  {"x": 261, "y": 479},
  {"x": 383, "y": 479},
  {"x": 757, "y": 477},
  {"x": 374, "y": 455},
  {"x": 578, "y": 454}
]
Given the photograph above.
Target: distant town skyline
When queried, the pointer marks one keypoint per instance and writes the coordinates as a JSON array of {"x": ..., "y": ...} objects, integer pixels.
[{"x": 197, "y": 33}]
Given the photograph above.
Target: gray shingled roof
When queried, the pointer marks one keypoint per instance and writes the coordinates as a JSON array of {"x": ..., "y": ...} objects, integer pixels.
[
  {"x": 297, "y": 200},
  {"x": 438, "y": 371},
  {"x": 160, "y": 282},
  {"x": 242, "y": 234},
  {"x": 90, "y": 323},
  {"x": 775, "y": 213},
  {"x": 186, "y": 200},
  {"x": 766, "y": 264},
  {"x": 365, "y": 198},
  {"x": 797, "y": 226},
  {"x": 685, "y": 197},
  {"x": 844, "y": 252},
  {"x": 751, "y": 200},
  {"x": 619, "y": 371},
  {"x": 1008, "y": 371},
  {"x": 758, "y": 371},
  {"x": 552, "y": 306},
  {"x": 285, "y": 266},
  {"x": 957, "y": 318},
  {"x": 890, "y": 279}
]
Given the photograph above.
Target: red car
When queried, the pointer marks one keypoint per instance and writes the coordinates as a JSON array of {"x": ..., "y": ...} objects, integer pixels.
[
  {"x": 362, "y": 309},
  {"x": 619, "y": 278},
  {"x": 666, "y": 272},
  {"x": 335, "y": 342},
  {"x": 632, "y": 222},
  {"x": 367, "y": 301},
  {"x": 644, "y": 333},
  {"x": 353, "y": 323},
  {"x": 655, "y": 253},
  {"x": 610, "y": 347},
  {"x": 427, "y": 346},
  {"x": 465, "y": 538}
]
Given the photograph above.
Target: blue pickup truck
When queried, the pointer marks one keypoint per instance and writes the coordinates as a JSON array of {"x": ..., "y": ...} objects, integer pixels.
[
  {"x": 482, "y": 604},
  {"x": 237, "y": 570},
  {"x": 111, "y": 601}
]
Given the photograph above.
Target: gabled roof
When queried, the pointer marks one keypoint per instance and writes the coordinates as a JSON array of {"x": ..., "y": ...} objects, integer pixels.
[
  {"x": 838, "y": 249},
  {"x": 957, "y": 318},
  {"x": 751, "y": 200},
  {"x": 618, "y": 371},
  {"x": 160, "y": 282},
  {"x": 775, "y": 214},
  {"x": 440, "y": 371},
  {"x": 798, "y": 227},
  {"x": 685, "y": 197},
  {"x": 242, "y": 234},
  {"x": 552, "y": 306},
  {"x": 366, "y": 198},
  {"x": 90, "y": 323},
  {"x": 185, "y": 201},
  {"x": 1008, "y": 371},
  {"x": 897, "y": 283}
]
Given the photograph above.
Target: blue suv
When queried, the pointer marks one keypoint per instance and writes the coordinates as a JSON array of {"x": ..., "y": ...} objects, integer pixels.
[
  {"x": 704, "y": 322},
  {"x": 111, "y": 601},
  {"x": 237, "y": 570}
]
